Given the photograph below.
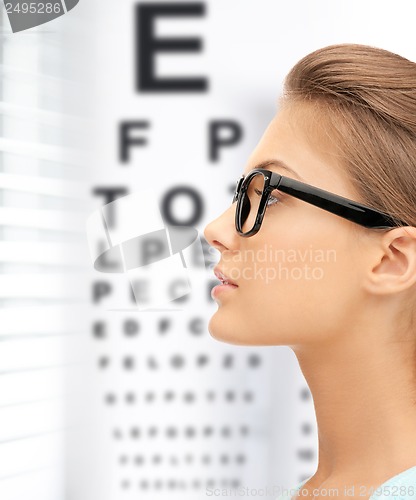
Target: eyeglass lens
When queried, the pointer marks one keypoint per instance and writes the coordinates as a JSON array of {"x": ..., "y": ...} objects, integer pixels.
[{"x": 250, "y": 202}]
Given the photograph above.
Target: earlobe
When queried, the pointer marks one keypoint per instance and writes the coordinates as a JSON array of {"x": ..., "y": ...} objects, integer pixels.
[{"x": 393, "y": 268}]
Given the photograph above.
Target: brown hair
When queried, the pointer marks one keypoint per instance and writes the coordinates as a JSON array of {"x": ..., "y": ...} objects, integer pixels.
[{"x": 368, "y": 97}]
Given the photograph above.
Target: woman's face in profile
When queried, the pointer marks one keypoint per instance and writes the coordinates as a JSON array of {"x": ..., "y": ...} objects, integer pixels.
[{"x": 299, "y": 276}]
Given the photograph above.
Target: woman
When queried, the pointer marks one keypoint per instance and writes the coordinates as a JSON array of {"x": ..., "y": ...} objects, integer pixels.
[{"x": 346, "y": 126}]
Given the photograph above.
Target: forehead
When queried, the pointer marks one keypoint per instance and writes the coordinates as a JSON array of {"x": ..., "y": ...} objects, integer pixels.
[
  {"x": 284, "y": 145},
  {"x": 292, "y": 146}
]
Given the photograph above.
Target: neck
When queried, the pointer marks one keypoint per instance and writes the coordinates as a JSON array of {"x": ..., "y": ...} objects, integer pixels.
[{"x": 364, "y": 393}]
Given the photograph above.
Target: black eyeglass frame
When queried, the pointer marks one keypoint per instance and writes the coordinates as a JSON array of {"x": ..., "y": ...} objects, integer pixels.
[{"x": 338, "y": 205}]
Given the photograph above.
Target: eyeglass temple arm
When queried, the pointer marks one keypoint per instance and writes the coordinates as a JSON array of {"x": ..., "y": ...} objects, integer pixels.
[{"x": 338, "y": 205}]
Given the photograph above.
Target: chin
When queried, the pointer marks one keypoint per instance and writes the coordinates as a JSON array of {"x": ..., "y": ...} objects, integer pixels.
[
  {"x": 225, "y": 328},
  {"x": 229, "y": 332}
]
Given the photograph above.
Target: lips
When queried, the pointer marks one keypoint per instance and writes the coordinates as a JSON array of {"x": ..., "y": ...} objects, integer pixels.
[{"x": 225, "y": 280}]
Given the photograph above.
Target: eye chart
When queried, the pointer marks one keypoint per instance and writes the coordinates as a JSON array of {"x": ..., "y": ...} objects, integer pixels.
[
  {"x": 176, "y": 411},
  {"x": 182, "y": 413}
]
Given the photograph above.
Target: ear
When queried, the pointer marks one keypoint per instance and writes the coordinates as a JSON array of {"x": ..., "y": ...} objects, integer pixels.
[{"x": 393, "y": 268}]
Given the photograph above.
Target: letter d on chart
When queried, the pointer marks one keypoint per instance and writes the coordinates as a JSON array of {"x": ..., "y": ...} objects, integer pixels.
[{"x": 26, "y": 14}]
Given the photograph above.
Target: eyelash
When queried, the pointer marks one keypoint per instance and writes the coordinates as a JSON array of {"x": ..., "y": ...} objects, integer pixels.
[{"x": 271, "y": 197}]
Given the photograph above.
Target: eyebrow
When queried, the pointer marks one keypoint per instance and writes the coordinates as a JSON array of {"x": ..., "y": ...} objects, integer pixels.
[{"x": 281, "y": 164}]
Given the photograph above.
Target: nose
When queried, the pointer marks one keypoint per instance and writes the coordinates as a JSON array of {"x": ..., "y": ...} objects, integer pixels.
[{"x": 220, "y": 233}]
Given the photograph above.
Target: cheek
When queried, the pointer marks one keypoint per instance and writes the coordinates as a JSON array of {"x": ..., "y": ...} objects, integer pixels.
[{"x": 295, "y": 289}]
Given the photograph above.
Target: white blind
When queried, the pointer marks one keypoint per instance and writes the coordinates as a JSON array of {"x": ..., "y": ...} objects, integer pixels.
[{"x": 42, "y": 250}]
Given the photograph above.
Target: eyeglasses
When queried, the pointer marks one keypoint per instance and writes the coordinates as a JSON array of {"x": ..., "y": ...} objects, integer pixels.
[{"x": 253, "y": 191}]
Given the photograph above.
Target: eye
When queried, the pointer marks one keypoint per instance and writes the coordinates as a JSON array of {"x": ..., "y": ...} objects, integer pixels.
[{"x": 272, "y": 200}]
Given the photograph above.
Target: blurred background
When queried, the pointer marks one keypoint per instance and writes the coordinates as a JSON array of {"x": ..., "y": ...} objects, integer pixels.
[{"x": 99, "y": 400}]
